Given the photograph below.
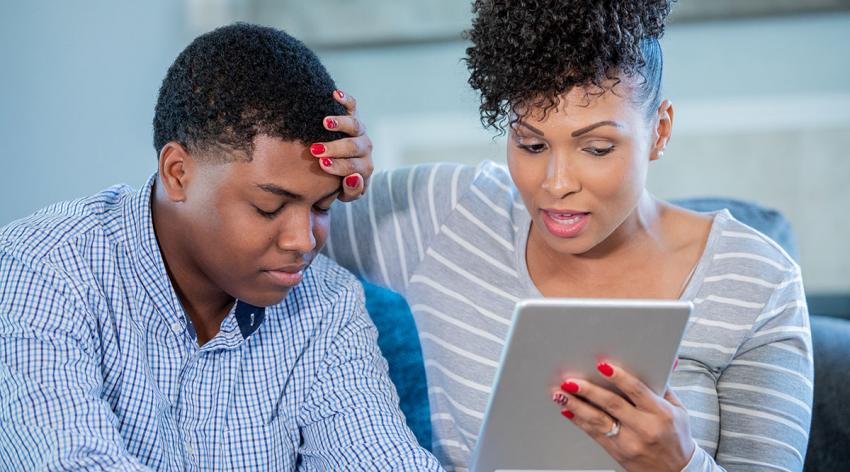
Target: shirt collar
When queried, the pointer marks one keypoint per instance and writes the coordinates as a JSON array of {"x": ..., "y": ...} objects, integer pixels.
[{"x": 147, "y": 258}]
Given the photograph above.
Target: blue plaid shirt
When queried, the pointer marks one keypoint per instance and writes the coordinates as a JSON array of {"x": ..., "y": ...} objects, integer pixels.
[{"x": 100, "y": 369}]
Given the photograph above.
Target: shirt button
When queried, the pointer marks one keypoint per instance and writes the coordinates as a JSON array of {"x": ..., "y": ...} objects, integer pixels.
[{"x": 176, "y": 327}]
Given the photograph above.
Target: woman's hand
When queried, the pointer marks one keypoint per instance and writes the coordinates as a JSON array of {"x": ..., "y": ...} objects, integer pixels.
[
  {"x": 643, "y": 431},
  {"x": 350, "y": 158}
]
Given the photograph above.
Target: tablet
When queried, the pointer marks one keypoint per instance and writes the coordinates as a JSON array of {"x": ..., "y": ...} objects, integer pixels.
[{"x": 554, "y": 338}]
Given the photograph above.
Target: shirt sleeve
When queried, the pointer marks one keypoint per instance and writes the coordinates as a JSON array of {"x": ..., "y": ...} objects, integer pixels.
[
  {"x": 765, "y": 393},
  {"x": 384, "y": 235},
  {"x": 351, "y": 419},
  {"x": 51, "y": 414}
]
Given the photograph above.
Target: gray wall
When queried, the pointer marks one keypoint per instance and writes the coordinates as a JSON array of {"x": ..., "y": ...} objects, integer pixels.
[
  {"x": 763, "y": 109},
  {"x": 77, "y": 89}
]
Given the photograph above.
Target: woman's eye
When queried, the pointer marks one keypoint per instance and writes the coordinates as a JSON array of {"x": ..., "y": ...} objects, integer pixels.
[
  {"x": 533, "y": 148},
  {"x": 322, "y": 211},
  {"x": 597, "y": 151}
]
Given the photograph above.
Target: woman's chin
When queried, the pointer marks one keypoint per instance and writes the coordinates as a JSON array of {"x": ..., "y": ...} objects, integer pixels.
[{"x": 572, "y": 246}]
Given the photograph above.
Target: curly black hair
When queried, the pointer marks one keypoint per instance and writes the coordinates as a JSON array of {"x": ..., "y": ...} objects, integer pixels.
[
  {"x": 526, "y": 53},
  {"x": 241, "y": 80}
]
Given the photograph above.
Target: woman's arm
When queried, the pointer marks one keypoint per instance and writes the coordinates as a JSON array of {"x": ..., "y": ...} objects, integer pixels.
[
  {"x": 765, "y": 393},
  {"x": 385, "y": 234}
]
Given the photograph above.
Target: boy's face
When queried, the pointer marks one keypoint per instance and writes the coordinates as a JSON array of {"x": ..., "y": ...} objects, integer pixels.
[{"x": 254, "y": 226}]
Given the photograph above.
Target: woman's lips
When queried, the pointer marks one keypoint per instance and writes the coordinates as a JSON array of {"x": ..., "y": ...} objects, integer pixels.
[
  {"x": 284, "y": 278},
  {"x": 565, "y": 224}
]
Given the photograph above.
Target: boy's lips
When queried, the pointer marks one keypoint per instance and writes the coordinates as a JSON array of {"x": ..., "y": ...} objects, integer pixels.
[{"x": 288, "y": 276}]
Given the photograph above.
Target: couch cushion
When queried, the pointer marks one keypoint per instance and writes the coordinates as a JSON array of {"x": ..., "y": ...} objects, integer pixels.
[
  {"x": 399, "y": 342},
  {"x": 830, "y": 435}
]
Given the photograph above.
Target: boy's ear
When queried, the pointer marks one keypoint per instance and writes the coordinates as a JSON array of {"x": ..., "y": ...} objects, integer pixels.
[{"x": 176, "y": 167}]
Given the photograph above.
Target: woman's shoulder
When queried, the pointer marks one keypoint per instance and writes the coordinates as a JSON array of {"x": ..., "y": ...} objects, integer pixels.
[
  {"x": 745, "y": 275},
  {"x": 440, "y": 186},
  {"x": 744, "y": 247},
  {"x": 487, "y": 175}
]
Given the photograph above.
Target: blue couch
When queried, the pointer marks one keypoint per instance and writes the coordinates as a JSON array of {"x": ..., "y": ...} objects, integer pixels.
[{"x": 829, "y": 445}]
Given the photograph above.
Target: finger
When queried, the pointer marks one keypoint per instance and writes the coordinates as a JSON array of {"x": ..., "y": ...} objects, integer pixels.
[
  {"x": 608, "y": 401},
  {"x": 673, "y": 398},
  {"x": 587, "y": 417},
  {"x": 346, "y": 100},
  {"x": 348, "y": 124},
  {"x": 345, "y": 167},
  {"x": 635, "y": 390},
  {"x": 352, "y": 188},
  {"x": 359, "y": 146}
]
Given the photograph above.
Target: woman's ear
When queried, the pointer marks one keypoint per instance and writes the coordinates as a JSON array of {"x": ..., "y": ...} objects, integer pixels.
[
  {"x": 663, "y": 129},
  {"x": 175, "y": 169}
]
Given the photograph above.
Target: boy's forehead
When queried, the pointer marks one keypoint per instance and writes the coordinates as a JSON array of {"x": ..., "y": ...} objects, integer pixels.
[{"x": 287, "y": 165}]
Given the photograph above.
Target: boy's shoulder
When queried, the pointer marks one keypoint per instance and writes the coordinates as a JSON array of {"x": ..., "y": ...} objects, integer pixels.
[
  {"x": 327, "y": 280},
  {"x": 63, "y": 225}
]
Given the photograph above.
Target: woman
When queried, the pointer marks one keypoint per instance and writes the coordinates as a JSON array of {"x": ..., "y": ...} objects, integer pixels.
[{"x": 577, "y": 87}]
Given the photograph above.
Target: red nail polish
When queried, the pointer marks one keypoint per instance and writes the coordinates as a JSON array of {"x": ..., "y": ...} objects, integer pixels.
[
  {"x": 352, "y": 180},
  {"x": 330, "y": 123},
  {"x": 605, "y": 369},
  {"x": 568, "y": 414},
  {"x": 326, "y": 162},
  {"x": 340, "y": 94},
  {"x": 560, "y": 398},
  {"x": 317, "y": 149},
  {"x": 570, "y": 387}
]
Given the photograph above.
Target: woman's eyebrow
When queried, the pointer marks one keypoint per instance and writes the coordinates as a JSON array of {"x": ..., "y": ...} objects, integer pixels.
[
  {"x": 592, "y": 127},
  {"x": 530, "y": 128}
]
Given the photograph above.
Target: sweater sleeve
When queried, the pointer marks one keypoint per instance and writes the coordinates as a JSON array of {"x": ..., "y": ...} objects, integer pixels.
[
  {"x": 765, "y": 393},
  {"x": 383, "y": 236}
]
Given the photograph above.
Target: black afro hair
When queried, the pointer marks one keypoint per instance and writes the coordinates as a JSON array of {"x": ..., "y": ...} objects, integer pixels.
[
  {"x": 241, "y": 80},
  {"x": 526, "y": 53}
]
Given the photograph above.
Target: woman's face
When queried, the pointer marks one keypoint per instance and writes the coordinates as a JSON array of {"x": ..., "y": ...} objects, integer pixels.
[{"x": 581, "y": 169}]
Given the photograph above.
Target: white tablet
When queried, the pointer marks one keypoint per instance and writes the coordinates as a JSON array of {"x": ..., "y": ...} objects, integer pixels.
[{"x": 551, "y": 339}]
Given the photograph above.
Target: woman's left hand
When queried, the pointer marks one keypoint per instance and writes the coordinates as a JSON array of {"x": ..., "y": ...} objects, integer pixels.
[{"x": 643, "y": 432}]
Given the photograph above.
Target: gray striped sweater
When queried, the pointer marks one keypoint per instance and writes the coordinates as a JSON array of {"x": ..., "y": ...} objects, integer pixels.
[{"x": 452, "y": 240}]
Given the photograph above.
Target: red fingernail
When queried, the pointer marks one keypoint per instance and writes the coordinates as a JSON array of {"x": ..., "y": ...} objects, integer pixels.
[
  {"x": 317, "y": 149},
  {"x": 352, "y": 180},
  {"x": 560, "y": 398},
  {"x": 570, "y": 387},
  {"x": 330, "y": 123},
  {"x": 676, "y": 364},
  {"x": 326, "y": 162},
  {"x": 605, "y": 369},
  {"x": 568, "y": 414},
  {"x": 340, "y": 94}
]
